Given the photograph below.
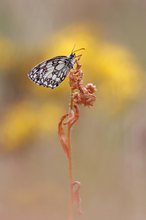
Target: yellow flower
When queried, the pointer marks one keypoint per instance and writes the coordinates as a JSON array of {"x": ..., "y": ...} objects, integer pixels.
[
  {"x": 120, "y": 76},
  {"x": 25, "y": 121},
  {"x": 111, "y": 66},
  {"x": 19, "y": 124},
  {"x": 7, "y": 54}
]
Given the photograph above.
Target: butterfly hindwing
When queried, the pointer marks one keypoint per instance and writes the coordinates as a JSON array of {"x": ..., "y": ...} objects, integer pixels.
[{"x": 50, "y": 73}]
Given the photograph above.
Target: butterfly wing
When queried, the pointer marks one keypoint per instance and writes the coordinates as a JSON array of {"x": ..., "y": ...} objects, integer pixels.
[{"x": 50, "y": 73}]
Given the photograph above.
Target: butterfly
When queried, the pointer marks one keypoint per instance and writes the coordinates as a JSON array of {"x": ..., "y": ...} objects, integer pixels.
[{"x": 50, "y": 73}]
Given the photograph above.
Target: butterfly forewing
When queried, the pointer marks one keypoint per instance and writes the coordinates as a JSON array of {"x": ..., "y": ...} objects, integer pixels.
[{"x": 52, "y": 72}]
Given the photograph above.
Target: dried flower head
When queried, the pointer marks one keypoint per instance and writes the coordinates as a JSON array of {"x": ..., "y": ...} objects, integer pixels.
[{"x": 81, "y": 94}]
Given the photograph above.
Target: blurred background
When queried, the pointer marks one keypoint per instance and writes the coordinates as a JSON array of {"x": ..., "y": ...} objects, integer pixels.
[{"x": 108, "y": 141}]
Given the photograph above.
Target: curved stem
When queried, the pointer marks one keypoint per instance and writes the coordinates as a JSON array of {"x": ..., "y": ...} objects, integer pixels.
[
  {"x": 71, "y": 213},
  {"x": 71, "y": 216}
]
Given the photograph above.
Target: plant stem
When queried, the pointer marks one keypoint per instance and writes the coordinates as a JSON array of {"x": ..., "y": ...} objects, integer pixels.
[{"x": 71, "y": 216}]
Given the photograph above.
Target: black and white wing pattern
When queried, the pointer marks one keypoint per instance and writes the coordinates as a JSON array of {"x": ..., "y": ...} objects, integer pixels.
[{"x": 52, "y": 72}]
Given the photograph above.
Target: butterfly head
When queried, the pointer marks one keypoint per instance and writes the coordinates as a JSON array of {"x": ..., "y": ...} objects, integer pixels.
[{"x": 71, "y": 58}]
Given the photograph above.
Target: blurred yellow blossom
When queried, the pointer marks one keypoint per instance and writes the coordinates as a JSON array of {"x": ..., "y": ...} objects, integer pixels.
[
  {"x": 111, "y": 66},
  {"x": 48, "y": 117},
  {"x": 7, "y": 54},
  {"x": 25, "y": 120},
  {"x": 120, "y": 76}
]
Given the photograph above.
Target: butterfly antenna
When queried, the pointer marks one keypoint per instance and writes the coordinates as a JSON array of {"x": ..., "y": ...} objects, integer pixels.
[
  {"x": 78, "y": 50},
  {"x": 73, "y": 48}
]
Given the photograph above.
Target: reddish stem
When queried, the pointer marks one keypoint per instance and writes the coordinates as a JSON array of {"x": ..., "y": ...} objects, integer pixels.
[
  {"x": 71, "y": 212},
  {"x": 71, "y": 216},
  {"x": 80, "y": 94}
]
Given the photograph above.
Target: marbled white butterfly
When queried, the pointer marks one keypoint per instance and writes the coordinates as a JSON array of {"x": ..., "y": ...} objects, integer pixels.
[{"x": 50, "y": 73}]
